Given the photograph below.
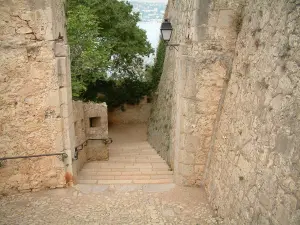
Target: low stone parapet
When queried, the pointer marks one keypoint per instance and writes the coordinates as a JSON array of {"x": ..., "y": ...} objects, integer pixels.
[{"x": 91, "y": 133}]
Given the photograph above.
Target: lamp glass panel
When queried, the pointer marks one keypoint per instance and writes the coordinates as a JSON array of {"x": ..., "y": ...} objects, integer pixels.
[{"x": 166, "y": 34}]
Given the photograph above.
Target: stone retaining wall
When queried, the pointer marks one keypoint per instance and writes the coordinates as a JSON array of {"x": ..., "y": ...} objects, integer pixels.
[
  {"x": 130, "y": 114},
  {"x": 90, "y": 122}
]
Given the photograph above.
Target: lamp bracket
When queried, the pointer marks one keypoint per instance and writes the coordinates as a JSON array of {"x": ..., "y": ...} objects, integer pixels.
[{"x": 173, "y": 46}]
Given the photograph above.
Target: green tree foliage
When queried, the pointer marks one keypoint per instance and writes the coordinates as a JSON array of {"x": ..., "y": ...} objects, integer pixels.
[
  {"x": 107, "y": 50},
  {"x": 118, "y": 24},
  {"x": 154, "y": 72},
  {"x": 117, "y": 92},
  {"x": 89, "y": 57}
]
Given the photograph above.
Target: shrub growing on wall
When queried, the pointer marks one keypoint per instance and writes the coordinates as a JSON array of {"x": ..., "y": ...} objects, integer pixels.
[{"x": 154, "y": 72}]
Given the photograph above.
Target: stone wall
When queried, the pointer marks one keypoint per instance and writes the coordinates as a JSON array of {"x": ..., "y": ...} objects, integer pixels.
[
  {"x": 234, "y": 121},
  {"x": 253, "y": 176},
  {"x": 90, "y": 123},
  {"x": 193, "y": 80},
  {"x": 35, "y": 95},
  {"x": 96, "y": 125},
  {"x": 130, "y": 114}
]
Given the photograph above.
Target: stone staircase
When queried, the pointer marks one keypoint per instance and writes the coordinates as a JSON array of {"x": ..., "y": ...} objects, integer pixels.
[{"x": 129, "y": 163}]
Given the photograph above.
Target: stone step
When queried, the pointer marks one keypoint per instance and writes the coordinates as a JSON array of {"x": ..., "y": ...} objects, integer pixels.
[
  {"x": 125, "y": 177},
  {"x": 125, "y": 173},
  {"x": 150, "y": 181},
  {"x": 136, "y": 157},
  {"x": 132, "y": 149},
  {"x": 125, "y": 170},
  {"x": 132, "y": 153},
  {"x": 134, "y": 164},
  {"x": 133, "y": 160},
  {"x": 140, "y": 156},
  {"x": 118, "y": 165},
  {"x": 130, "y": 145},
  {"x": 121, "y": 156}
]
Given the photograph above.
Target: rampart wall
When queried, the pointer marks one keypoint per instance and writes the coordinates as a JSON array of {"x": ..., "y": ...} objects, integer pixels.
[{"x": 232, "y": 121}]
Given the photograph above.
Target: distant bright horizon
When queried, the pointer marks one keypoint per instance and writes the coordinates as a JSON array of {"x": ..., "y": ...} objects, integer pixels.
[
  {"x": 151, "y": 14},
  {"x": 153, "y": 32}
]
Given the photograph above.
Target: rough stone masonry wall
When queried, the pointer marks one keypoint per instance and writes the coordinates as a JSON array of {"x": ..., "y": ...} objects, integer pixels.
[
  {"x": 254, "y": 170},
  {"x": 35, "y": 95},
  {"x": 192, "y": 84}
]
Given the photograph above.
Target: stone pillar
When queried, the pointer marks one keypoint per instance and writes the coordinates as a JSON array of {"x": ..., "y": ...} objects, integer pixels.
[{"x": 66, "y": 107}]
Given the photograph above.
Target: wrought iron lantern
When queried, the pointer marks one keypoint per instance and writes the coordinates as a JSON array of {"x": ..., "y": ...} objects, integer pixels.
[{"x": 166, "y": 30}]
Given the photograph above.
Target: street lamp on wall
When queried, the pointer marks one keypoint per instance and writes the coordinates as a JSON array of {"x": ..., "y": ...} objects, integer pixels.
[{"x": 166, "y": 30}]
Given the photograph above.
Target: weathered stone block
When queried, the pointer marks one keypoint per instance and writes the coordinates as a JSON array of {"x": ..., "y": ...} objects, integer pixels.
[
  {"x": 199, "y": 169},
  {"x": 97, "y": 151},
  {"x": 200, "y": 33},
  {"x": 61, "y": 49},
  {"x": 24, "y": 30},
  {"x": 282, "y": 215},
  {"x": 186, "y": 157},
  {"x": 226, "y": 17},
  {"x": 265, "y": 201},
  {"x": 244, "y": 165},
  {"x": 192, "y": 143},
  {"x": 186, "y": 170},
  {"x": 62, "y": 71},
  {"x": 53, "y": 101},
  {"x": 201, "y": 14}
]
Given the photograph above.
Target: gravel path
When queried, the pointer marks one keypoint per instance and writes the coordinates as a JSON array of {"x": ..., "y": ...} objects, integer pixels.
[
  {"x": 111, "y": 204},
  {"x": 87, "y": 204}
]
